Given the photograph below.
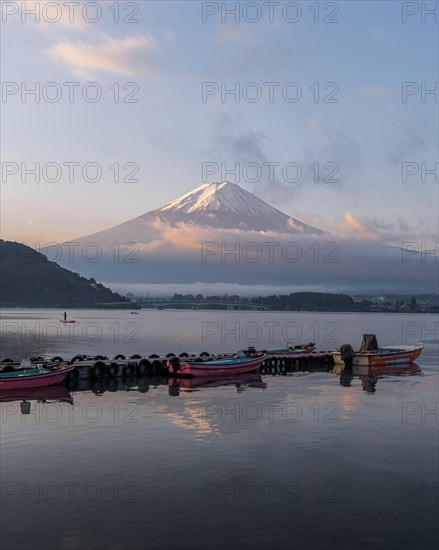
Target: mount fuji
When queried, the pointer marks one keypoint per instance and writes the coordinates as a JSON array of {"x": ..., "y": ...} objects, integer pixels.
[
  {"x": 220, "y": 206},
  {"x": 220, "y": 234}
]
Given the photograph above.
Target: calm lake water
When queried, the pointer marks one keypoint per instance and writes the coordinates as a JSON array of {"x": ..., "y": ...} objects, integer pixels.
[{"x": 266, "y": 462}]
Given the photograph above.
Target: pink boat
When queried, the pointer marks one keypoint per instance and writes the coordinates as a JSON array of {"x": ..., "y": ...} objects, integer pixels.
[
  {"x": 229, "y": 365},
  {"x": 33, "y": 378}
]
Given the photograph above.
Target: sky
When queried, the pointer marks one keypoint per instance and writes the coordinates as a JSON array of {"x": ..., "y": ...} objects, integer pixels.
[{"x": 131, "y": 111}]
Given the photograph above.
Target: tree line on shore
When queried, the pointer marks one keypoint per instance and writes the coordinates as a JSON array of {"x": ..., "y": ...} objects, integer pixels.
[{"x": 301, "y": 301}]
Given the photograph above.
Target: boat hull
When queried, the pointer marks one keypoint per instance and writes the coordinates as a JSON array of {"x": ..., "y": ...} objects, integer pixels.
[
  {"x": 383, "y": 358},
  {"x": 215, "y": 368},
  {"x": 26, "y": 379}
]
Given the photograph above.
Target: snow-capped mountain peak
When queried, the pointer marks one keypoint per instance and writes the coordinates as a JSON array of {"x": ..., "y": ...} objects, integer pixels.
[
  {"x": 227, "y": 205},
  {"x": 211, "y": 206},
  {"x": 225, "y": 196}
]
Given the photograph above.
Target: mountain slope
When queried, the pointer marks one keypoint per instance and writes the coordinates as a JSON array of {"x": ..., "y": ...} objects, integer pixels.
[{"x": 29, "y": 279}]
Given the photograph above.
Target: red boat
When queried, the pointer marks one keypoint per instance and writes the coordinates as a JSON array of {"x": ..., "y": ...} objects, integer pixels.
[
  {"x": 229, "y": 365},
  {"x": 18, "y": 379}
]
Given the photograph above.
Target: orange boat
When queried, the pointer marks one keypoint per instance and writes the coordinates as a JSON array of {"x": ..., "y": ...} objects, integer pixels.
[{"x": 376, "y": 360}]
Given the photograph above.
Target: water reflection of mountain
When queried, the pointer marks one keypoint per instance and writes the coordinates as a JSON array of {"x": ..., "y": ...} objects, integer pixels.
[
  {"x": 201, "y": 403},
  {"x": 240, "y": 381}
]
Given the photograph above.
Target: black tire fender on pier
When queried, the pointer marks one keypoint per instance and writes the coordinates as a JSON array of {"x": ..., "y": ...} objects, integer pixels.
[
  {"x": 157, "y": 367},
  {"x": 73, "y": 374},
  {"x": 98, "y": 369},
  {"x": 112, "y": 370},
  {"x": 129, "y": 369},
  {"x": 120, "y": 356},
  {"x": 143, "y": 367},
  {"x": 113, "y": 384}
]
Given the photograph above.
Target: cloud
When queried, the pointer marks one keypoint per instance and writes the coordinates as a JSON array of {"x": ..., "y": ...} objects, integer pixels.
[
  {"x": 376, "y": 89},
  {"x": 413, "y": 141},
  {"x": 124, "y": 56},
  {"x": 245, "y": 145},
  {"x": 313, "y": 123},
  {"x": 250, "y": 49},
  {"x": 380, "y": 35},
  {"x": 403, "y": 224},
  {"x": 351, "y": 264},
  {"x": 350, "y": 222},
  {"x": 45, "y": 14},
  {"x": 182, "y": 236},
  {"x": 367, "y": 229}
]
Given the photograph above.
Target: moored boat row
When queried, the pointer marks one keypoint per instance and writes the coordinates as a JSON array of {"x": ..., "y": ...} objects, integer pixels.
[{"x": 369, "y": 360}]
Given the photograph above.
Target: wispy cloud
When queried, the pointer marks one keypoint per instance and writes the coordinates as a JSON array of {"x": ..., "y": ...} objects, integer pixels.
[
  {"x": 353, "y": 223},
  {"x": 354, "y": 227},
  {"x": 124, "y": 56},
  {"x": 376, "y": 89},
  {"x": 44, "y": 14},
  {"x": 380, "y": 35},
  {"x": 248, "y": 50}
]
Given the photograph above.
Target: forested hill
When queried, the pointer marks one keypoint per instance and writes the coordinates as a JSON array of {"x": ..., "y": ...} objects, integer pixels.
[{"x": 29, "y": 279}]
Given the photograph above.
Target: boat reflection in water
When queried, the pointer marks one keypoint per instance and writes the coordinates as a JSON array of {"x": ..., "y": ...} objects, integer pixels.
[
  {"x": 47, "y": 394},
  {"x": 370, "y": 380},
  {"x": 241, "y": 381},
  {"x": 98, "y": 386},
  {"x": 142, "y": 384}
]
